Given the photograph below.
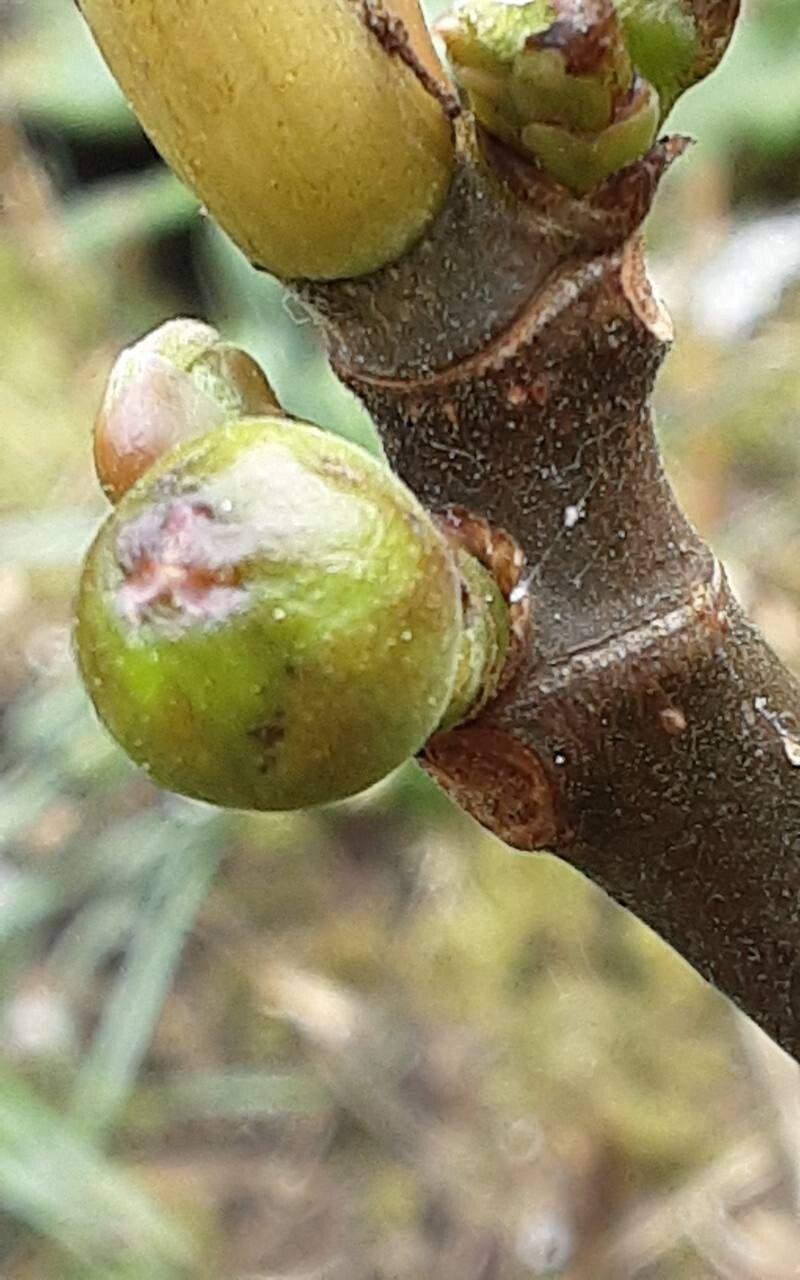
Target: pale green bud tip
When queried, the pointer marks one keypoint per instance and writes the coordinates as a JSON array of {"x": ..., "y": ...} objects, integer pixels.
[
  {"x": 665, "y": 44},
  {"x": 501, "y": 29},
  {"x": 176, "y": 383},
  {"x": 269, "y": 619}
]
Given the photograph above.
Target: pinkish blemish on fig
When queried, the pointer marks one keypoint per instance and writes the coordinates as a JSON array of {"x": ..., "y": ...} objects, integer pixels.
[{"x": 179, "y": 558}]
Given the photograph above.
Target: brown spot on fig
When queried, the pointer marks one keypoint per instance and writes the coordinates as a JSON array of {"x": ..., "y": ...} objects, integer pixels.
[{"x": 269, "y": 737}]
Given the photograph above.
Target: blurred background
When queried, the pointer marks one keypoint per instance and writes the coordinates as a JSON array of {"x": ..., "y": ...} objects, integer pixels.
[{"x": 367, "y": 1043}]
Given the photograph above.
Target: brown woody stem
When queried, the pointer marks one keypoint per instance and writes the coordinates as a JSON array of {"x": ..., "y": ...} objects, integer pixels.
[{"x": 649, "y": 735}]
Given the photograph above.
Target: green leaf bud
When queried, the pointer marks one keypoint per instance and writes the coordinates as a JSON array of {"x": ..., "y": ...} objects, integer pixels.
[
  {"x": 581, "y": 162},
  {"x": 556, "y": 81},
  {"x": 484, "y": 642},
  {"x": 666, "y": 45}
]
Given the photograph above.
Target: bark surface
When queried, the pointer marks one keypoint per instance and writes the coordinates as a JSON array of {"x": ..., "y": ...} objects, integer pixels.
[{"x": 646, "y": 732}]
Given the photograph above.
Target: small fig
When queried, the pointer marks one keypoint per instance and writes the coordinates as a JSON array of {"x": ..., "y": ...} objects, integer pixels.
[
  {"x": 177, "y": 382},
  {"x": 269, "y": 619}
]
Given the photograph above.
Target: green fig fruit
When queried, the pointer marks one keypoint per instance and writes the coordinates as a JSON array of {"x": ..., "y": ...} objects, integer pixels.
[{"x": 269, "y": 619}]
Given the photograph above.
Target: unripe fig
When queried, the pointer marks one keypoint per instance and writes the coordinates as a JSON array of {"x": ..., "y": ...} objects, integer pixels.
[
  {"x": 269, "y": 619},
  {"x": 176, "y": 383}
]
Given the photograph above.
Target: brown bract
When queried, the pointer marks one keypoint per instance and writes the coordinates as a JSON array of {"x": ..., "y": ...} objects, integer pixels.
[
  {"x": 406, "y": 37},
  {"x": 715, "y": 21}
]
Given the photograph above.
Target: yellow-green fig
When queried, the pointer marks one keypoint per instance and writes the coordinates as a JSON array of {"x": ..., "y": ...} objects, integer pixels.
[
  {"x": 269, "y": 619},
  {"x": 320, "y": 148}
]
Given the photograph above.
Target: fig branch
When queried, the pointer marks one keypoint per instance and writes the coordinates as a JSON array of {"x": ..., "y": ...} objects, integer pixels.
[{"x": 472, "y": 251}]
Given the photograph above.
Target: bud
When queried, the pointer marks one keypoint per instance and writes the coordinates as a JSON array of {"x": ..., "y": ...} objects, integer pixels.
[
  {"x": 269, "y": 619},
  {"x": 484, "y": 642},
  {"x": 322, "y": 149},
  {"x": 555, "y": 81},
  {"x": 176, "y": 383}
]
